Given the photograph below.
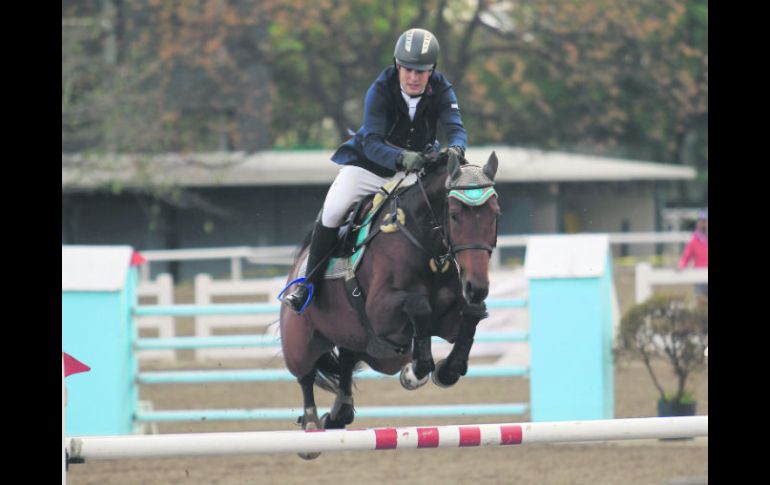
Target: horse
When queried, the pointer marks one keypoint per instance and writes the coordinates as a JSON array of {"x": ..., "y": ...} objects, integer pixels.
[{"x": 428, "y": 275}]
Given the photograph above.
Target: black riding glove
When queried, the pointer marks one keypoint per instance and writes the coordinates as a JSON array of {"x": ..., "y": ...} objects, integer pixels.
[{"x": 410, "y": 161}]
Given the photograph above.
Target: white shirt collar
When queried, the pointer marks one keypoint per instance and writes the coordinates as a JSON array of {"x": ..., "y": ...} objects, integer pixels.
[{"x": 411, "y": 103}]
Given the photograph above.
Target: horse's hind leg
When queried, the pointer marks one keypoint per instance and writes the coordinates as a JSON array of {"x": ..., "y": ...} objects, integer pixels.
[
  {"x": 341, "y": 413},
  {"x": 449, "y": 370},
  {"x": 309, "y": 418},
  {"x": 415, "y": 374}
]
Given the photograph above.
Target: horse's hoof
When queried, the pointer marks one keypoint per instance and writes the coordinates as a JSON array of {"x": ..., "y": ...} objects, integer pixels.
[
  {"x": 327, "y": 423},
  {"x": 309, "y": 456},
  {"x": 316, "y": 454},
  {"x": 309, "y": 421},
  {"x": 436, "y": 378},
  {"x": 409, "y": 380}
]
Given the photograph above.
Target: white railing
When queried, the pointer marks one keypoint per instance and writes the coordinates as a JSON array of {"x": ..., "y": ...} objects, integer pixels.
[
  {"x": 284, "y": 255},
  {"x": 162, "y": 291},
  {"x": 281, "y": 255},
  {"x": 208, "y": 289},
  {"x": 647, "y": 277}
]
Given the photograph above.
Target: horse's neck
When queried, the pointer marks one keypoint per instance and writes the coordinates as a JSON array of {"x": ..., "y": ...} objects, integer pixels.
[
  {"x": 427, "y": 216},
  {"x": 435, "y": 189}
]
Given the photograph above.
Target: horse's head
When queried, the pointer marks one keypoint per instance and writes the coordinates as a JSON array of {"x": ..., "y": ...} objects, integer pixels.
[{"x": 472, "y": 212}]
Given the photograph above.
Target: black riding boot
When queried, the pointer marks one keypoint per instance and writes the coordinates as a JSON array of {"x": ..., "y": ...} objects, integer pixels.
[{"x": 324, "y": 239}]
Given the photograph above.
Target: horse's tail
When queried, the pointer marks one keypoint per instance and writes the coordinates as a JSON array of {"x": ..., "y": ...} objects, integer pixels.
[{"x": 328, "y": 372}]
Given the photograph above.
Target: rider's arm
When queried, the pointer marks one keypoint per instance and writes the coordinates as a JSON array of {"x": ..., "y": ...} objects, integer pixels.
[
  {"x": 375, "y": 120},
  {"x": 449, "y": 117}
]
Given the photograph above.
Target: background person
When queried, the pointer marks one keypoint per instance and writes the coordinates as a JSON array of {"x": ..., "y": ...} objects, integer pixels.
[{"x": 697, "y": 251}]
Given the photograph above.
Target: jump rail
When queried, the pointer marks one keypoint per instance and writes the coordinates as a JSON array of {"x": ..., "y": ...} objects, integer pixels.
[
  {"x": 262, "y": 308},
  {"x": 239, "y": 341},
  {"x": 283, "y": 375},
  {"x": 269, "y": 414},
  {"x": 452, "y": 436}
]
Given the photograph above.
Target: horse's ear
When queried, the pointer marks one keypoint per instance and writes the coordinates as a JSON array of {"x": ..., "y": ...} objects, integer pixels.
[
  {"x": 490, "y": 169},
  {"x": 453, "y": 166}
]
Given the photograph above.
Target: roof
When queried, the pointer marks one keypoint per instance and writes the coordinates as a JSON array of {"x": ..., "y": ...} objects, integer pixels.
[{"x": 315, "y": 167}]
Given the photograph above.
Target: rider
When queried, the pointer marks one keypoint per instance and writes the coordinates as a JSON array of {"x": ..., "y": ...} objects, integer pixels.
[{"x": 402, "y": 109}]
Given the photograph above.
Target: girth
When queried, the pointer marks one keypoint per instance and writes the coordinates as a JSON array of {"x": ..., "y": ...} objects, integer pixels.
[{"x": 376, "y": 346}]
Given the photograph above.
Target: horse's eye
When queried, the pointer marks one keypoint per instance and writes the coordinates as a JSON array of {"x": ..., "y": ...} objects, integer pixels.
[{"x": 454, "y": 216}]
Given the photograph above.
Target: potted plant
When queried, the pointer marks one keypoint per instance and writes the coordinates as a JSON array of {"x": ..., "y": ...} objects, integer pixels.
[{"x": 672, "y": 328}]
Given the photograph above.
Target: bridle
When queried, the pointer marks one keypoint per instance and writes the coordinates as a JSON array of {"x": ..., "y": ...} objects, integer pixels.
[
  {"x": 456, "y": 191},
  {"x": 454, "y": 249}
]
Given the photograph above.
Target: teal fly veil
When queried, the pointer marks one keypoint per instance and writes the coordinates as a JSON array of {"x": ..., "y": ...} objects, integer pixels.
[{"x": 472, "y": 187}]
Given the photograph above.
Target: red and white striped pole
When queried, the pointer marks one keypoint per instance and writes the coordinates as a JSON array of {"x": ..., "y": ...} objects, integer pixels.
[{"x": 264, "y": 442}]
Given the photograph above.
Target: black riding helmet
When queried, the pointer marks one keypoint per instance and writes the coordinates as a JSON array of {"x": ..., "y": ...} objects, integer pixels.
[{"x": 417, "y": 49}]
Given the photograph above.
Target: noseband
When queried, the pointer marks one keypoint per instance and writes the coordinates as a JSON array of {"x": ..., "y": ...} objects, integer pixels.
[{"x": 472, "y": 187}]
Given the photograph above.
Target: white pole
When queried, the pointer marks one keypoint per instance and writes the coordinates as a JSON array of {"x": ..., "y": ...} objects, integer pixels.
[{"x": 264, "y": 442}]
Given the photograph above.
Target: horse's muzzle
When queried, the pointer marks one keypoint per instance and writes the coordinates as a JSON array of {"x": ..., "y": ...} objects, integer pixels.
[{"x": 475, "y": 292}]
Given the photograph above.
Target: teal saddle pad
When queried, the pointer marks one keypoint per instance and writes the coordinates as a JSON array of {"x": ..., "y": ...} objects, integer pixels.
[{"x": 339, "y": 267}]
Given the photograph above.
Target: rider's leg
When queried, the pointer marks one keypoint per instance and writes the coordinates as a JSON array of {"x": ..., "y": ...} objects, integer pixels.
[
  {"x": 321, "y": 246},
  {"x": 350, "y": 186}
]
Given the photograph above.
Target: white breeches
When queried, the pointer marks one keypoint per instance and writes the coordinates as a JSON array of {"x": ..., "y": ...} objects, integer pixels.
[{"x": 351, "y": 185}]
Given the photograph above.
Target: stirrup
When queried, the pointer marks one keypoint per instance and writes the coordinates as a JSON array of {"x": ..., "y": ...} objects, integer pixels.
[{"x": 310, "y": 288}]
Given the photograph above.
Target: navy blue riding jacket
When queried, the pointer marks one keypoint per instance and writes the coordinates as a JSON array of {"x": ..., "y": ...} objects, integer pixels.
[{"x": 387, "y": 129}]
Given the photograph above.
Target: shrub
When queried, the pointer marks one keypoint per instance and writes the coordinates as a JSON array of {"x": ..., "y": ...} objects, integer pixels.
[{"x": 672, "y": 328}]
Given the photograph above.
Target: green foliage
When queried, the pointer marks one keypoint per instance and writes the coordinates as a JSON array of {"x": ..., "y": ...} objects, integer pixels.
[{"x": 671, "y": 328}]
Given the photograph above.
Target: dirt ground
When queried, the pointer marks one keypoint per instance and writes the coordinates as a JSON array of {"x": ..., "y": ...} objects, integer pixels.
[{"x": 638, "y": 462}]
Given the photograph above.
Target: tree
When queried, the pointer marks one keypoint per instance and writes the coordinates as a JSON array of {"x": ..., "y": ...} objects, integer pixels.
[{"x": 611, "y": 77}]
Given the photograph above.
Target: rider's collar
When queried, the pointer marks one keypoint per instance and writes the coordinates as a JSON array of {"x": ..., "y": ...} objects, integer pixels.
[{"x": 407, "y": 95}]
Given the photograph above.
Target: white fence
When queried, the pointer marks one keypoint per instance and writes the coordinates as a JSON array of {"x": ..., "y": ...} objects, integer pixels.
[
  {"x": 647, "y": 277},
  {"x": 283, "y": 255},
  {"x": 162, "y": 291},
  {"x": 207, "y": 290}
]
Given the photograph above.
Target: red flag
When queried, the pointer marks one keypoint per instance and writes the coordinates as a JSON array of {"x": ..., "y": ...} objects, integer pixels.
[
  {"x": 137, "y": 259},
  {"x": 72, "y": 365}
]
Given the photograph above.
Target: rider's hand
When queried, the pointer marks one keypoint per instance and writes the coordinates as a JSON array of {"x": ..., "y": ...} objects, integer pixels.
[
  {"x": 459, "y": 152},
  {"x": 411, "y": 161}
]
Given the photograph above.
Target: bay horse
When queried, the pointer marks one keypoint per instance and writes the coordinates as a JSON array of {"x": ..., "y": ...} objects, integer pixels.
[{"x": 427, "y": 278}]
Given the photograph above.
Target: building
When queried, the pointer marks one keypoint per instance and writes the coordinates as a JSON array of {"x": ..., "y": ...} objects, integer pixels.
[{"x": 272, "y": 197}]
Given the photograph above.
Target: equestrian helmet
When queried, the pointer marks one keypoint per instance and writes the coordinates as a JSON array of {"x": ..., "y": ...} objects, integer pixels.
[{"x": 417, "y": 49}]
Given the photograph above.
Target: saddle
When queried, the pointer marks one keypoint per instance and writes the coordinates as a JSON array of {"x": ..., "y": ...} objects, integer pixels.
[{"x": 356, "y": 232}]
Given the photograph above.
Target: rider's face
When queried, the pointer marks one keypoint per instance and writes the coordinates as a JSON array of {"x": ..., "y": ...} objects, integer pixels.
[{"x": 413, "y": 81}]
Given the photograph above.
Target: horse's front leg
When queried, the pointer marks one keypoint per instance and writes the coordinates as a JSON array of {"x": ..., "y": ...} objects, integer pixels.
[
  {"x": 415, "y": 374},
  {"x": 449, "y": 370},
  {"x": 342, "y": 412},
  {"x": 309, "y": 418}
]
